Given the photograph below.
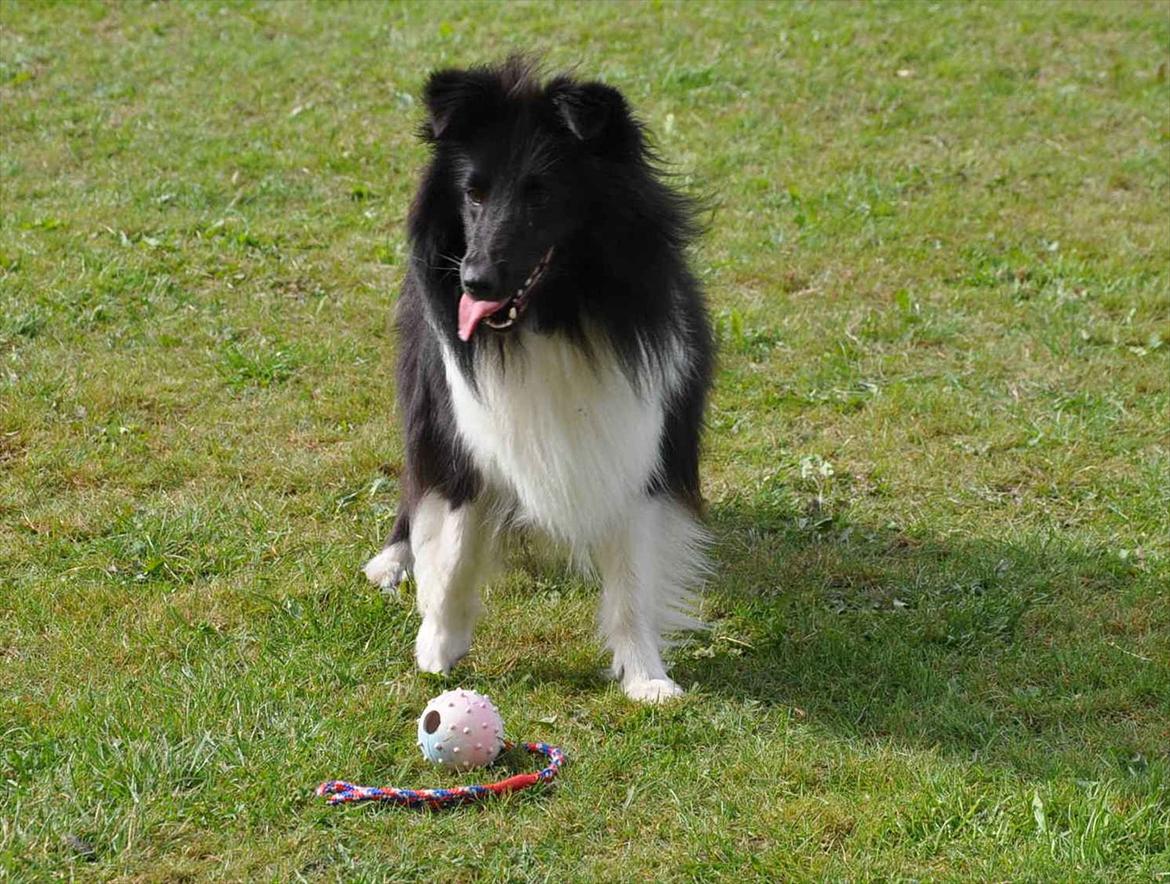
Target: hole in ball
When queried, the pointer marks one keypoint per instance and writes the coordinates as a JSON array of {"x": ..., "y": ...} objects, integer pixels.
[{"x": 431, "y": 722}]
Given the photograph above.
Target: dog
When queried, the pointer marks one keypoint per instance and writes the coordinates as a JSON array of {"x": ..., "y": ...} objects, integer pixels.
[{"x": 555, "y": 356}]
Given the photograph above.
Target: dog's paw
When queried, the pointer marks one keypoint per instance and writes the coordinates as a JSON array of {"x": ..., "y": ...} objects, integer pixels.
[
  {"x": 390, "y": 567},
  {"x": 438, "y": 650},
  {"x": 651, "y": 690}
]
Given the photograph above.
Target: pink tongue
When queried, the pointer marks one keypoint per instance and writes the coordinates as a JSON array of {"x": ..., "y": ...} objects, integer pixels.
[{"x": 472, "y": 311}]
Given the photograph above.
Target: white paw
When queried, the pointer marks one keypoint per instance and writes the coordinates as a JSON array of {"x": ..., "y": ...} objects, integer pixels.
[
  {"x": 390, "y": 567},
  {"x": 651, "y": 690},
  {"x": 438, "y": 650}
]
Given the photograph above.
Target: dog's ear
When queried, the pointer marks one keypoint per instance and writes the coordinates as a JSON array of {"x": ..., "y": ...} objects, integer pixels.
[
  {"x": 455, "y": 99},
  {"x": 595, "y": 114}
]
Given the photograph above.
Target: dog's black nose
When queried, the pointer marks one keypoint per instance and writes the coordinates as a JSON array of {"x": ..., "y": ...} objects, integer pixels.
[{"x": 479, "y": 277}]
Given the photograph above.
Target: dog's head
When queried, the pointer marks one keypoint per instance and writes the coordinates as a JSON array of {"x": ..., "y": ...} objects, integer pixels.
[{"x": 523, "y": 166}]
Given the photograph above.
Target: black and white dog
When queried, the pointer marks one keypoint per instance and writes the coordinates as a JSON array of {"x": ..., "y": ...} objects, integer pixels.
[{"x": 555, "y": 357}]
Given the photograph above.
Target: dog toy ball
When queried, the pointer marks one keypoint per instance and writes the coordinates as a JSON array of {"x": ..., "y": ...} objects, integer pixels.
[{"x": 460, "y": 730}]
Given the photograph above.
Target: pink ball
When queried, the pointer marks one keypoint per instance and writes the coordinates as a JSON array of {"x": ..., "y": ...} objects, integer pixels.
[{"x": 460, "y": 729}]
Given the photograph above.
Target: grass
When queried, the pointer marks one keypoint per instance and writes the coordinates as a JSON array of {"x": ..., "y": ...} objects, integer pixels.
[{"x": 938, "y": 463}]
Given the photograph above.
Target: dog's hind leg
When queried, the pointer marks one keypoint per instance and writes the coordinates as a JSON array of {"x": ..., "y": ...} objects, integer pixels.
[
  {"x": 453, "y": 552},
  {"x": 389, "y": 568},
  {"x": 651, "y": 565}
]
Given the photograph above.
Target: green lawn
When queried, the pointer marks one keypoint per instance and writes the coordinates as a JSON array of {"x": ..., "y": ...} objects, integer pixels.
[{"x": 938, "y": 464}]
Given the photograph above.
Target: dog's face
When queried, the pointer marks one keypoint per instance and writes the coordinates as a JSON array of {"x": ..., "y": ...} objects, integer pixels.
[
  {"x": 518, "y": 199},
  {"x": 521, "y": 163}
]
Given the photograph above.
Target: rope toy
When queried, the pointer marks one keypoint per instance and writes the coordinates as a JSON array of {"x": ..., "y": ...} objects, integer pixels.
[
  {"x": 459, "y": 730},
  {"x": 341, "y": 792}
]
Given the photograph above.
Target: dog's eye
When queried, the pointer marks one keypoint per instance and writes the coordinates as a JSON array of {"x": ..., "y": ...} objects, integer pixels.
[{"x": 476, "y": 195}]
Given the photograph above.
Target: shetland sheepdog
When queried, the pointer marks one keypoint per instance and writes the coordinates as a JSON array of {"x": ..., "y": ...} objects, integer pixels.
[{"x": 555, "y": 355}]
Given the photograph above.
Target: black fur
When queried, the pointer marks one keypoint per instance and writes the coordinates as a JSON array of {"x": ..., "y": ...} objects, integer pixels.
[{"x": 519, "y": 166}]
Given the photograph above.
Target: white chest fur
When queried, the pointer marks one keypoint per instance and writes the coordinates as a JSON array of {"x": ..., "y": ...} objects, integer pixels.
[{"x": 572, "y": 440}]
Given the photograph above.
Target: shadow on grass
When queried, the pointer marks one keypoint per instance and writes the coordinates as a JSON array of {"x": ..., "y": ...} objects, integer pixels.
[{"x": 1012, "y": 653}]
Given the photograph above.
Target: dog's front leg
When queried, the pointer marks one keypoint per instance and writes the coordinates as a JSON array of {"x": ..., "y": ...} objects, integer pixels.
[
  {"x": 452, "y": 552},
  {"x": 650, "y": 565}
]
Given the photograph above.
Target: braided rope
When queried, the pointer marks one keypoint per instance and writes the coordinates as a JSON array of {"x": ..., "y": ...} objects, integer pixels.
[{"x": 341, "y": 792}]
